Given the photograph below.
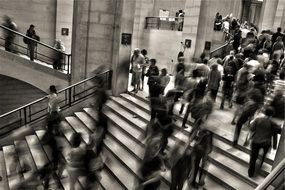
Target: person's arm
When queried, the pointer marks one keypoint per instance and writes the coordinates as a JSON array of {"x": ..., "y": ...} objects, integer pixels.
[{"x": 252, "y": 127}]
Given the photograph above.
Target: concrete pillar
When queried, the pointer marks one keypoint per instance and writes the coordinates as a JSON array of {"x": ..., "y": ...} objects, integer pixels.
[
  {"x": 280, "y": 11},
  {"x": 92, "y": 36},
  {"x": 143, "y": 9},
  {"x": 191, "y": 24},
  {"x": 268, "y": 13},
  {"x": 124, "y": 23},
  {"x": 64, "y": 15}
]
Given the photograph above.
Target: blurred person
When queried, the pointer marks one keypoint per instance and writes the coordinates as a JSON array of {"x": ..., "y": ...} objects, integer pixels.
[
  {"x": 228, "y": 83},
  {"x": 236, "y": 38},
  {"x": 279, "y": 84},
  {"x": 53, "y": 101},
  {"x": 253, "y": 103},
  {"x": 200, "y": 152},
  {"x": 214, "y": 81},
  {"x": 164, "y": 79},
  {"x": 145, "y": 65},
  {"x": 278, "y": 49},
  {"x": 263, "y": 130},
  {"x": 9, "y": 36},
  {"x": 278, "y": 104},
  {"x": 226, "y": 28},
  {"x": 276, "y": 35},
  {"x": 180, "y": 71},
  {"x": 181, "y": 166},
  {"x": 49, "y": 139},
  {"x": 59, "y": 57},
  {"x": 152, "y": 165},
  {"x": 31, "y": 44},
  {"x": 216, "y": 21},
  {"x": 75, "y": 159},
  {"x": 180, "y": 20},
  {"x": 152, "y": 73},
  {"x": 137, "y": 62}
]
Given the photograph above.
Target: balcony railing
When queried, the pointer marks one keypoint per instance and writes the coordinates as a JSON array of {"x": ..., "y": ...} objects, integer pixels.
[
  {"x": 165, "y": 23},
  {"x": 44, "y": 54},
  {"x": 69, "y": 96},
  {"x": 223, "y": 50}
]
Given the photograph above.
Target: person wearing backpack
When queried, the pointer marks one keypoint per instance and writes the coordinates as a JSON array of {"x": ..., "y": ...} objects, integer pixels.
[{"x": 31, "y": 44}]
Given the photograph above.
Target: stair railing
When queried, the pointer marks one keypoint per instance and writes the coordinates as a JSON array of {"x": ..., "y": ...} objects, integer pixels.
[
  {"x": 223, "y": 50},
  {"x": 68, "y": 97},
  {"x": 277, "y": 173},
  {"x": 44, "y": 54},
  {"x": 166, "y": 23}
]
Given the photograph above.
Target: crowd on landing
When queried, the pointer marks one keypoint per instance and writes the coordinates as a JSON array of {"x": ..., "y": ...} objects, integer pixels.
[{"x": 251, "y": 78}]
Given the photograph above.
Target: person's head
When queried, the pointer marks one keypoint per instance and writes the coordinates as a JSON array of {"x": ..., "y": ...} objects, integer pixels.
[
  {"x": 52, "y": 89},
  {"x": 144, "y": 52},
  {"x": 153, "y": 147},
  {"x": 214, "y": 66},
  {"x": 205, "y": 61},
  {"x": 279, "y": 29},
  {"x": 152, "y": 62},
  {"x": 164, "y": 72},
  {"x": 219, "y": 61},
  {"x": 269, "y": 111},
  {"x": 136, "y": 51},
  {"x": 7, "y": 19},
  {"x": 75, "y": 140},
  {"x": 32, "y": 27},
  {"x": 232, "y": 52}
]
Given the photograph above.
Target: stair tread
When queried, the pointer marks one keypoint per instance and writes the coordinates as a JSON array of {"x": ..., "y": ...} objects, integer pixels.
[
  {"x": 87, "y": 120},
  {"x": 25, "y": 157},
  {"x": 78, "y": 127},
  {"x": 121, "y": 172},
  {"x": 222, "y": 133},
  {"x": 11, "y": 164},
  {"x": 228, "y": 179},
  {"x": 37, "y": 151},
  {"x": 4, "y": 183}
]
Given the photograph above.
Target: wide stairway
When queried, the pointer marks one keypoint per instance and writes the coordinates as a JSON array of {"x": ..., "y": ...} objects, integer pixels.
[{"x": 123, "y": 150}]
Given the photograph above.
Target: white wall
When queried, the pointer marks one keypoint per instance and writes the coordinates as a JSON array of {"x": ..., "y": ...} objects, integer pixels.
[{"x": 163, "y": 45}]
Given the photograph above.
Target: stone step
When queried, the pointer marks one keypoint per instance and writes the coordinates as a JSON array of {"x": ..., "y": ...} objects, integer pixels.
[
  {"x": 12, "y": 166},
  {"x": 136, "y": 146},
  {"x": 182, "y": 137},
  {"x": 224, "y": 134},
  {"x": 3, "y": 173}
]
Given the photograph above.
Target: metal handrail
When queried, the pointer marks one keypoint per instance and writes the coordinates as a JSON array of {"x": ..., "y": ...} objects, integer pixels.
[
  {"x": 69, "y": 96},
  {"x": 272, "y": 176},
  {"x": 36, "y": 41}
]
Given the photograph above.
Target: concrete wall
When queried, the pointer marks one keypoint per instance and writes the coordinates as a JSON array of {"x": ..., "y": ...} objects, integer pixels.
[
  {"x": 163, "y": 45},
  {"x": 25, "y": 70},
  {"x": 64, "y": 17},
  {"x": 25, "y": 12}
]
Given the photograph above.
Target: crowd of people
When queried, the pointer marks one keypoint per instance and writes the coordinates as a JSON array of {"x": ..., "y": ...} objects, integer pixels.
[{"x": 250, "y": 78}]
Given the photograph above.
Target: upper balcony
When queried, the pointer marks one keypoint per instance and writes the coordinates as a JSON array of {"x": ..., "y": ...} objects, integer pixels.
[{"x": 164, "y": 23}]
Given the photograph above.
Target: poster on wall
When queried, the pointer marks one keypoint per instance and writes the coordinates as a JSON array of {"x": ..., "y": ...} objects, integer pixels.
[
  {"x": 163, "y": 13},
  {"x": 126, "y": 39}
]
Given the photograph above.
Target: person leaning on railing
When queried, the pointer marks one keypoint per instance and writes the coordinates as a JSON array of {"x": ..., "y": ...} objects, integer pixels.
[{"x": 31, "y": 44}]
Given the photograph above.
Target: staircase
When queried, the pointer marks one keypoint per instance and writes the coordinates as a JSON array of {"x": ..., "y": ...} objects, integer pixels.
[{"x": 123, "y": 151}]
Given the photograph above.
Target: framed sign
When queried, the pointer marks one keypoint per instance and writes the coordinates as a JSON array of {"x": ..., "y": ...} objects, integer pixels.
[
  {"x": 207, "y": 45},
  {"x": 188, "y": 43},
  {"x": 64, "y": 31},
  {"x": 126, "y": 39}
]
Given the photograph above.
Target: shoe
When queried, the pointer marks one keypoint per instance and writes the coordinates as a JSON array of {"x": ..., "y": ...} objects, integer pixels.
[
  {"x": 133, "y": 90},
  {"x": 221, "y": 107},
  {"x": 234, "y": 143},
  {"x": 231, "y": 105},
  {"x": 184, "y": 126},
  {"x": 233, "y": 122}
]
